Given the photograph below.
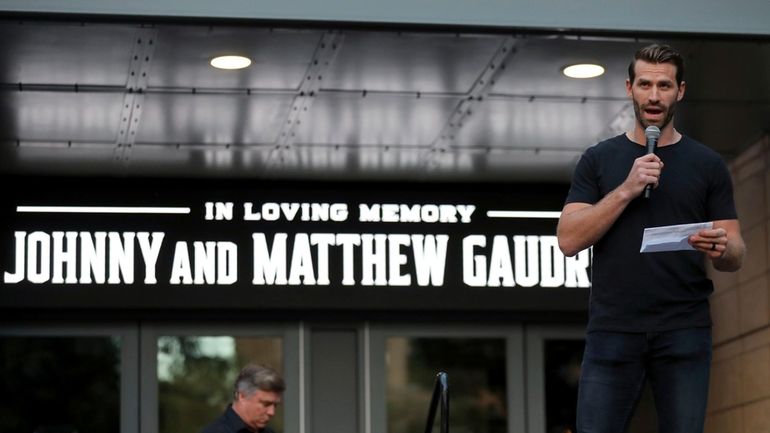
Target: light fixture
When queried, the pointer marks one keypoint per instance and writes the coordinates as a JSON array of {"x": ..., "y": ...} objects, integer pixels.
[
  {"x": 583, "y": 70},
  {"x": 230, "y": 62}
]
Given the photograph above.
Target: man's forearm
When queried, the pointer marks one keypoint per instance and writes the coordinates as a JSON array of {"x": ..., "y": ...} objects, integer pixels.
[
  {"x": 582, "y": 226},
  {"x": 732, "y": 259}
]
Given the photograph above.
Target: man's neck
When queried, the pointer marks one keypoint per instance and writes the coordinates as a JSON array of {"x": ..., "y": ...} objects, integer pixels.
[
  {"x": 237, "y": 411},
  {"x": 668, "y": 135}
]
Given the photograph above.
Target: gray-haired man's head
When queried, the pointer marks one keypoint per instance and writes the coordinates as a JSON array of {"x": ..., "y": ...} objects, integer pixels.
[{"x": 255, "y": 377}]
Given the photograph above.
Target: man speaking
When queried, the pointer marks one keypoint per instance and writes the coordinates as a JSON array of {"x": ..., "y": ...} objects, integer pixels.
[{"x": 649, "y": 313}]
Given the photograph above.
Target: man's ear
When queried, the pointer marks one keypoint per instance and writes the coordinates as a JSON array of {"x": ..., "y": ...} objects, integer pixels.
[
  {"x": 628, "y": 87},
  {"x": 680, "y": 94}
]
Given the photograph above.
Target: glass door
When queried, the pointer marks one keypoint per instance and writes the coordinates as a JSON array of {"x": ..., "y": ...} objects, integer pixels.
[
  {"x": 68, "y": 378},
  {"x": 189, "y": 372},
  {"x": 485, "y": 374},
  {"x": 554, "y": 358}
]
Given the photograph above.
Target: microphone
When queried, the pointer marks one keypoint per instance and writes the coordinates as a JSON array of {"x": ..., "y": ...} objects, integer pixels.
[{"x": 652, "y": 133}]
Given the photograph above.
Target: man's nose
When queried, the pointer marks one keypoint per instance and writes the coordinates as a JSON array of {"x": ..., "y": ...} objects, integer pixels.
[
  {"x": 654, "y": 94},
  {"x": 271, "y": 410}
]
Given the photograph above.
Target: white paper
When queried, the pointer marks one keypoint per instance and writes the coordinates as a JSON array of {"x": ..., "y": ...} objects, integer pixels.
[{"x": 670, "y": 238}]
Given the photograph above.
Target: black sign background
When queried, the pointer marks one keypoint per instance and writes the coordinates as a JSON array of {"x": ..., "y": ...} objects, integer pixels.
[{"x": 454, "y": 295}]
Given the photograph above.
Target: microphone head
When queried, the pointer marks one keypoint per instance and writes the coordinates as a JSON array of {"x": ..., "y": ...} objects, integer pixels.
[{"x": 652, "y": 132}]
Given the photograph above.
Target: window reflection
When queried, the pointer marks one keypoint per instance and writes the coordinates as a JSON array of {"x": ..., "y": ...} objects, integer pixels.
[
  {"x": 196, "y": 375},
  {"x": 60, "y": 384},
  {"x": 562, "y": 374},
  {"x": 476, "y": 376}
]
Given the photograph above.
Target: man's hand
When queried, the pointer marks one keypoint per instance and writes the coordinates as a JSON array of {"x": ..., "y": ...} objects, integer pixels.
[
  {"x": 722, "y": 244},
  {"x": 713, "y": 242},
  {"x": 583, "y": 224},
  {"x": 645, "y": 171}
]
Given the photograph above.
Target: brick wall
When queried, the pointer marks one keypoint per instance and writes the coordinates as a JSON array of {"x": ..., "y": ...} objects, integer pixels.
[{"x": 739, "y": 398}]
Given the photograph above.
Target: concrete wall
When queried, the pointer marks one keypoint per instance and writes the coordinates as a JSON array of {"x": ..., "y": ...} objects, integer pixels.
[{"x": 739, "y": 400}]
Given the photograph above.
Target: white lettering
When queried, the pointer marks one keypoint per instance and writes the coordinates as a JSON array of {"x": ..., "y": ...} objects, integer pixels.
[
  {"x": 409, "y": 214},
  {"x": 369, "y": 214},
  {"x": 75, "y": 257},
  {"x": 426, "y": 213},
  {"x": 474, "y": 266},
  {"x": 396, "y": 260},
  {"x": 248, "y": 215},
  {"x": 60, "y": 256},
  {"x": 500, "y": 268},
  {"x": 577, "y": 270},
  {"x": 447, "y": 213},
  {"x": 227, "y": 263},
  {"x": 181, "y": 271},
  {"x": 271, "y": 211},
  {"x": 269, "y": 266},
  {"x": 430, "y": 258},
  {"x": 551, "y": 262},
  {"x": 290, "y": 210},
  {"x": 339, "y": 212},
  {"x": 526, "y": 263},
  {"x": 93, "y": 257},
  {"x": 18, "y": 274},
  {"x": 205, "y": 262},
  {"x": 465, "y": 212},
  {"x": 223, "y": 211},
  {"x": 429, "y": 213},
  {"x": 348, "y": 241},
  {"x": 301, "y": 262},
  {"x": 121, "y": 257},
  {"x": 296, "y": 211},
  {"x": 537, "y": 261},
  {"x": 39, "y": 246},
  {"x": 150, "y": 252},
  {"x": 373, "y": 264},
  {"x": 323, "y": 241},
  {"x": 390, "y": 213}
]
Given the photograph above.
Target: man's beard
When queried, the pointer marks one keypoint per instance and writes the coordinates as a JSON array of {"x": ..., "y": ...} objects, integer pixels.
[{"x": 670, "y": 110}]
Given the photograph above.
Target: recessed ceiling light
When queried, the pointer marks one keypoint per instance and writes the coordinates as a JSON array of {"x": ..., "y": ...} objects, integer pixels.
[
  {"x": 230, "y": 62},
  {"x": 583, "y": 70}
]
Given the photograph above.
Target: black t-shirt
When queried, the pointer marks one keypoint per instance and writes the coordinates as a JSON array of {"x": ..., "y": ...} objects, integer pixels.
[
  {"x": 649, "y": 292},
  {"x": 230, "y": 422}
]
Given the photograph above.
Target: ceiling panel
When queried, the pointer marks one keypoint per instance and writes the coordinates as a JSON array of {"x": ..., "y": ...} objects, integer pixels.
[
  {"x": 538, "y": 124},
  {"x": 76, "y": 159},
  {"x": 65, "y": 53},
  {"x": 536, "y": 68},
  {"x": 376, "y": 110},
  {"x": 410, "y": 62},
  {"x": 526, "y": 165},
  {"x": 382, "y": 119},
  {"x": 280, "y": 58},
  {"x": 212, "y": 118},
  {"x": 59, "y": 116}
]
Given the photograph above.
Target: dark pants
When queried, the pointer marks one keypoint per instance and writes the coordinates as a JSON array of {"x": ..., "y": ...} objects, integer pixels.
[{"x": 615, "y": 366}]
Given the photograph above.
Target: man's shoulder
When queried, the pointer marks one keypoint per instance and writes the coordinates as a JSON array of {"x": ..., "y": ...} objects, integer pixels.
[
  {"x": 609, "y": 144},
  {"x": 215, "y": 427},
  {"x": 220, "y": 425},
  {"x": 697, "y": 146}
]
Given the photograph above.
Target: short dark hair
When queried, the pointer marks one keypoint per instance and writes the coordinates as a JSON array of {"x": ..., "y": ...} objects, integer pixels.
[
  {"x": 658, "y": 54},
  {"x": 255, "y": 377}
]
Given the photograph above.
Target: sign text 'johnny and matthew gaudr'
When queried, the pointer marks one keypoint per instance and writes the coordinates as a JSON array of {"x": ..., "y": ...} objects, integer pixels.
[{"x": 368, "y": 258}]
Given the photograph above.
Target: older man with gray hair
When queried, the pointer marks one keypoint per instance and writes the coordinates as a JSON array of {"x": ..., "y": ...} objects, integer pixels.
[{"x": 257, "y": 391}]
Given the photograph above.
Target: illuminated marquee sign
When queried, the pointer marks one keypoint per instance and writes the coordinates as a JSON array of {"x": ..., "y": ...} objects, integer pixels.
[{"x": 287, "y": 243}]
